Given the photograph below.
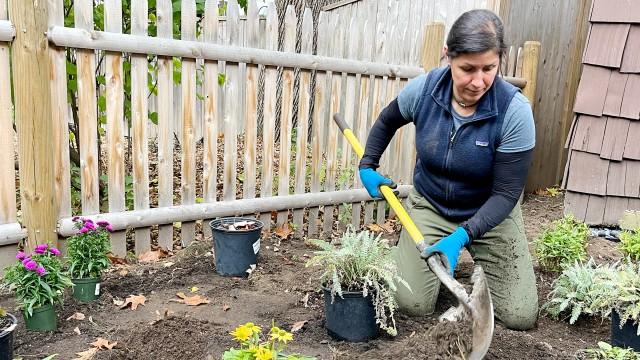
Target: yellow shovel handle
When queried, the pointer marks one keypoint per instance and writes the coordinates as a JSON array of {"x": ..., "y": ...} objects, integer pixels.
[{"x": 386, "y": 191}]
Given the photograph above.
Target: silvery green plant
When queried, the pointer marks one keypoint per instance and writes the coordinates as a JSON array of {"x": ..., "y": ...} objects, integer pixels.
[
  {"x": 562, "y": 244},
  {"x": 630, "y": 243},
  {"x": 606, "y": 351},
  {"x": 583, "y": 288},
  {"x": 362, "y": 262},
  {"x": 627, "y": 293}
]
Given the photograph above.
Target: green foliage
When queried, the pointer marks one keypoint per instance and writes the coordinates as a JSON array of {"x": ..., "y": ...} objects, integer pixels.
[
  {"x": 582, "y": 289},
  {"x": 38, "y": 279},
  {"x": 627, "y": 293},
  {"x": 607, "y": 352},
  {"x": 253, "y": 347},
  {"x": 87, "y": 250},
  {"x": 362, "y": 262},
  {"x": 630, "y": 243},
  {"x": 562, "y": 244}
]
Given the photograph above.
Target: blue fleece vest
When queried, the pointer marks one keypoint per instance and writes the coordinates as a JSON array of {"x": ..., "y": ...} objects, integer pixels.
[{"x": 454, "y": 169}]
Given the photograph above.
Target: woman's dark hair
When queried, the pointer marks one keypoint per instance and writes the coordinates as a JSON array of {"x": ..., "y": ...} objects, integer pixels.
[{"x": 476, "y": 31}]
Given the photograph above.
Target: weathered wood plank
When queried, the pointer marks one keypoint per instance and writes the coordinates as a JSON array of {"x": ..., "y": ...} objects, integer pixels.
[
  {"x": 87, "y": 104},
  {"x": 166, "y": 122},
  {"x": 250, "y": 156},
  {"x": 139, "y": 109},
  {"x": 8, "y": 208},
  {"x": 188, "y": 115},
  {"x": 115, "y": 125},
  {"x": 231, "y": 115}
]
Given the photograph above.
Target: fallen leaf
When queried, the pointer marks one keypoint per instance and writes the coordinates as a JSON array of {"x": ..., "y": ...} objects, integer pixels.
[
  {"x": 389, "y": 227},
  {"x": 152, "y": 256},
  {"x": 101, "y": 343},
  {"x": 375, "y": 228},
  {"x": 192, "y": 300},
  {"x": 123, "y": 272},
  {"x": 118, "y": 302},
  {"x": 194, "y": 289},
  {"x": 298, "y": 325},
  {"x": 87, "y": 354},
  {"x": 116, "y": 260},
  {"x": 76, "y": 316},
  {"x": 134, "y": 300},
  {"x": 226, "y": 307},
  {"x": 77, "y": 330},
  {"x": 283, "y": 231}
]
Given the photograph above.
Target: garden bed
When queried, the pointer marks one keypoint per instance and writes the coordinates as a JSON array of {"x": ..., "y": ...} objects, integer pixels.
[{"x": 279, "y": 289}]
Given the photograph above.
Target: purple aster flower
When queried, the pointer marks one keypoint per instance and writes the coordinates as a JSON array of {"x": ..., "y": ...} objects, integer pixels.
[
  {"x": 83, "y": 230},
  {"x": 21, "y": 255},
  {"x": 109, "y": 228},
  {"x": 89, "y": 225},
  {"x": 41, "y": 249},
  {"x": 31, "y": 265},
  {"x": 76, "y": 218},
  {"x": 102, "y": 223},
  {"x": 41, "y": 270},
  {"x": 26, "y": 260},
  {"x": 54, "y": 251}
]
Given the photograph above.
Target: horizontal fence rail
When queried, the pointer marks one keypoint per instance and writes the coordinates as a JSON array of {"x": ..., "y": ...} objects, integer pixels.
[{"x": 98, "y": 40}]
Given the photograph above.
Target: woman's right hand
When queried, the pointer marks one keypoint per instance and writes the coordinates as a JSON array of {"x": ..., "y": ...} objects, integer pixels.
[{"x": 372, "y": 182}]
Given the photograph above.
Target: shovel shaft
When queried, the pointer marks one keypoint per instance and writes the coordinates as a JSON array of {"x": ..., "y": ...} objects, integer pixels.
[{"x": 386, "y": 191}]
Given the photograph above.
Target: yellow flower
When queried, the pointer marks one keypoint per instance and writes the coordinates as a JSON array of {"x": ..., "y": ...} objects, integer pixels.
[
  {"x": 280, "y": 335},
  {"x": 253, "y": 328},
  {"x": 264, "y": 354},
  {"x": 242, "y": 333}
]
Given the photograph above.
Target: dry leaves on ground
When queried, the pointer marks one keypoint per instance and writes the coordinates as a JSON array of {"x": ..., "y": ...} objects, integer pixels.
[
  {"x": 87, "y": 354},
  {"x": 101, "y": 343},
  {"x": 134, "y": 300},
  {"x": 76, "y": 316},
  {"x": 116, "y": 260},
  {"x": 283, "y": 231},
  {"x": 298, "y": 325},
  {"x": 152, "y": 256},
  {"x": 191, "y": 300},
  {"x": 387, "y": 227}
]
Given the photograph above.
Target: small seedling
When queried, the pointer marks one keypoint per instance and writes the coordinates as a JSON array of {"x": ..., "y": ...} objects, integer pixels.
[
  {"x": 562, "y": 244},
  {"x": 630, "y": 243}
]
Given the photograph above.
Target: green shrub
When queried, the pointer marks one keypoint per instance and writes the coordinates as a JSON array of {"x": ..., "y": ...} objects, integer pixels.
[
  {"x": 362, "y": 262},
  {"x": 562, "y": 244},
  {"x": 627, "y": 293},
  {"x": 582, "y": 289},
  {"x": 607, "y": 352},
  {"x": 630, "y": 243}
]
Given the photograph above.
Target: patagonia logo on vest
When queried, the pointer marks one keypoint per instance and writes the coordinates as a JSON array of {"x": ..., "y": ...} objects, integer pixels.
[{"x": 482, "y": 143}]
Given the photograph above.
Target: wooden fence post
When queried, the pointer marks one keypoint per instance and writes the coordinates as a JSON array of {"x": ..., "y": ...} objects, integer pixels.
[
  {"x": 530, "y": 69},
  {"x": 34, "y": 121},
  {"x": 432, "y": 47}
]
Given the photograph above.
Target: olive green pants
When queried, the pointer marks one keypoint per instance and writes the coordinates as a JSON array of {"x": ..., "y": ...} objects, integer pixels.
[{"x": 502, "y": 252}]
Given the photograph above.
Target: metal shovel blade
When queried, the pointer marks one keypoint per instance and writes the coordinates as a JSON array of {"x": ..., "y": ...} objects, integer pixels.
[{"x": 478, "y": 305}]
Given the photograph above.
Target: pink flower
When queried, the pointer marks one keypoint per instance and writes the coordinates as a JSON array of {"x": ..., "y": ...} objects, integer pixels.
[
  {"x": 31, "y": 265},
  {"x": 89, "y": 225},
  {"x": 54, "y": 251},
  {"x": 41, "y": 249},
  {"x": 41, "y": 270},
  {"x": 26, "y": 260},
  {"x": 102, "y": 223},
  {"x": 83, "y": 230},
  {"x": 21, "y": 255},
  {"x": 76, "y": 218},
  {"x": 109, "y": 228}
]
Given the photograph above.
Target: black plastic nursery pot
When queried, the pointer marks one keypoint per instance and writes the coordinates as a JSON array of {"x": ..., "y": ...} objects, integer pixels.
[
  {"x": 627, "y": 336},
  {"x": 6, "y": 339},
  {"x": 43, "y": 318},
  {"x": 235, "y": 250},
  {"x": 86, "y": 289},
  {"x": 351, "y": 318}
]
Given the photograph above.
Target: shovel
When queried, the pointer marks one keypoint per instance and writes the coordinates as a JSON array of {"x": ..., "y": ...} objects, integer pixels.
[{"x": 477, "y": 305}]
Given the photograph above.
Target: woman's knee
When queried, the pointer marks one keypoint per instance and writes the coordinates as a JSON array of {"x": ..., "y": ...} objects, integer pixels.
[{"x": 521, "y": 318}]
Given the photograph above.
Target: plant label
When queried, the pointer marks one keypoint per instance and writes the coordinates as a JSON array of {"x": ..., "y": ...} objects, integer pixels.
[
  {"x": 97, "y": 292},
  {"x": 256, "y": 246}
]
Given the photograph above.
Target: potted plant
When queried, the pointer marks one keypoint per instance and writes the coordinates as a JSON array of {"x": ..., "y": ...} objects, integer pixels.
[
  {"x": 87, "y": 257},
  {"x": 625, "y": 309},
  {"x": 39, "y": 282},
  {"x": 358, "y": 282},
  {"x": 8, "y": 323},
  {"x": 253, "y": 347},
  {"x": 236, "y": 243}
]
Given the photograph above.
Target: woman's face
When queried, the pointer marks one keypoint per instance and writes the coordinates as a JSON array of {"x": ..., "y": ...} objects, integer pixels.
[{"x": 473, "y": 74}]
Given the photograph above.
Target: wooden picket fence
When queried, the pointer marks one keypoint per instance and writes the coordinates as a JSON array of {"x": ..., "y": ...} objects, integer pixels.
[{"x": 298, "y": 174}]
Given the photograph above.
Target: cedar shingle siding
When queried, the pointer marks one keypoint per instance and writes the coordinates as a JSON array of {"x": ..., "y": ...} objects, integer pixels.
[{"x": 602, "y": 175}]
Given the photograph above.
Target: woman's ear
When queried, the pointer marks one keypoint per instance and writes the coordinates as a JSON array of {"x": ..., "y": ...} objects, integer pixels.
[{"x": 445, "y": 53}]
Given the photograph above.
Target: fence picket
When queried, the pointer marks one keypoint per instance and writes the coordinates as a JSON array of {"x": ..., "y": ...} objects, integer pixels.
[
  {"x": 7, "y": 163},
  {"x": 286, "y": 115},
  {"x": 252, "y": 74},
  {"x": 268, "y": 133},
  {"x": 115, "y": 124},
  {"x": 139, "y": 109},
  {"x": 365, "y": 102},
  {"x": 351, "y": 113},
  {"x": 166, "y": 121},
  {"x": 231, "y": 106},
  {"x": 318, "y": 126},
  {"x": 303, "y": 121},
  {"x": 86, "y": 69}
]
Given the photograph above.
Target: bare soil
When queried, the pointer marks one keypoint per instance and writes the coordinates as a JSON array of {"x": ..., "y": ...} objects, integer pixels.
[{"x": 281, "y": 289}]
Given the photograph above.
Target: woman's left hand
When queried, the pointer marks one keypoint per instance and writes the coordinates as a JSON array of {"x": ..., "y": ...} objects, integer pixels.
[{"x": 449, "y": 246}]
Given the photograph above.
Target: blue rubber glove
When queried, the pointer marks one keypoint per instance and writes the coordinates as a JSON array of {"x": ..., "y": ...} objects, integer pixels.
[
  {"x": 450, "y": 247},
  {"x": 372, "y": 181}
]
